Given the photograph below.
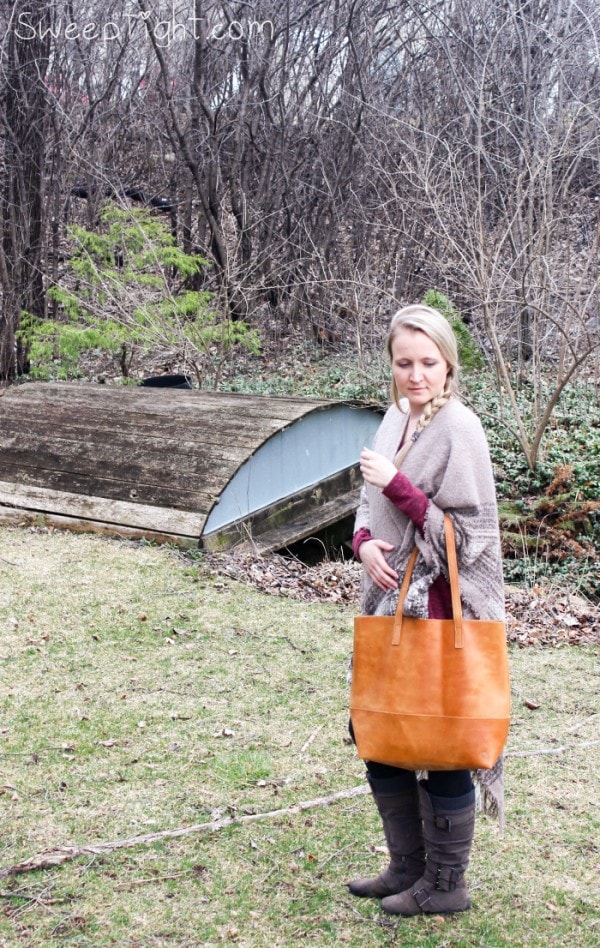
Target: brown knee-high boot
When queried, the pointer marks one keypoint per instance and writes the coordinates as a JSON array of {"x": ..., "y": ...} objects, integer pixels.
[
  {"x": 448, "y": 827},
  {"x": 399, "y": 811}
]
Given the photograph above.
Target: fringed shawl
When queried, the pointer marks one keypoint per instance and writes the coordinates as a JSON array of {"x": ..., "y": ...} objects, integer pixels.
[{"x": 450, "y": 463}]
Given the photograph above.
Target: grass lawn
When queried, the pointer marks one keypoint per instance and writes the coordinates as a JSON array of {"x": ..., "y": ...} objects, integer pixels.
[{"x": 139, "y": 695}]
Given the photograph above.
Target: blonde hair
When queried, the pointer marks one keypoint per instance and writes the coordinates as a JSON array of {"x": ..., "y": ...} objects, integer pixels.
[{"x": 430, "y": 322}]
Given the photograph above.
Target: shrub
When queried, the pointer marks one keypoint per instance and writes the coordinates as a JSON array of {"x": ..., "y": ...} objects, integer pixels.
[
  {"x": 125, "y": 291},
  {"x": 469, "y": 355}
]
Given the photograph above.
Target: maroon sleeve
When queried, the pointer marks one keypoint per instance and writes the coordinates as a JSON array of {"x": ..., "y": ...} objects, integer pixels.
[
  {"x": 408, "y": 498},
  {"x": 413, "y": 502},
  {"x": 361, "y": 536}
]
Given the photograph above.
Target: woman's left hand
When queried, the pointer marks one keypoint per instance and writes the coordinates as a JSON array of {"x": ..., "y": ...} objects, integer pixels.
[{"x": 376, "y": 469}]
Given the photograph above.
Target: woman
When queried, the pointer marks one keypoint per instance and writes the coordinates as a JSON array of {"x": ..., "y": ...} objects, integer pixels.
[{"x": 430, "y": 457}]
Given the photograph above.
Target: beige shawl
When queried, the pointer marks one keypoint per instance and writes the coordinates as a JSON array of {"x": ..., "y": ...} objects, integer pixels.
[{"x": 450, "y": 463}]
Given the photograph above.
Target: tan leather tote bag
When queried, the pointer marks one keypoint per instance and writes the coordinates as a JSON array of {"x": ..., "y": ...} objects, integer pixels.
[{"x": 430, "y": 694}]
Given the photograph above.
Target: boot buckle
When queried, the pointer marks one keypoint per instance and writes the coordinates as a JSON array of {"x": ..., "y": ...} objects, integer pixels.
[
  {"x": 445, "y": 878},
  {"x": 421, "y": 896}
]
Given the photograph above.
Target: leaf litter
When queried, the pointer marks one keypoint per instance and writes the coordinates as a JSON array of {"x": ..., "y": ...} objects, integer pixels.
[{"x": 541, "y": 616}]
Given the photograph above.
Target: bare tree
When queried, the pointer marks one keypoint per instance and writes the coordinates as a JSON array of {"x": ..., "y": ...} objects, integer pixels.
[
  {"x": 331, "y": 158},
  {"x": 23, "y": 118},
  {"x": 269, "y": 126},
  {"x": 498, "y": 165}
]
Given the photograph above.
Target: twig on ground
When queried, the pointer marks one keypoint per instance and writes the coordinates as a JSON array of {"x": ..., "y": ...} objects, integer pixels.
[
  {"x": 579, "y": 724},
  {"x": 296, "y": 647},
  {"x": 366, "y": 919},
  {"x": 335, "y": 854},
  {"x": 123, "y": 886},
  {"x": 551, "y": 750},
  {"x": 308, "y": 742},
  {"x": 38, "y": 899},
  {"x": 61, "y": 854}
]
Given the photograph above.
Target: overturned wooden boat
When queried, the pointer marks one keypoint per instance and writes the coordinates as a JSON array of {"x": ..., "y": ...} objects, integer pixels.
[{"x": 191, "y": 467}]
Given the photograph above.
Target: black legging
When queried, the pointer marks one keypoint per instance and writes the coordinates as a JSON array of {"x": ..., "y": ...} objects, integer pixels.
[{"x": 441, "y": 783}]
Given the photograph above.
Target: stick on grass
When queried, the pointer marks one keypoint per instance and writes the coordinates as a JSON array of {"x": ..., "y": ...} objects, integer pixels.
[{"x": 51, "y": 858}]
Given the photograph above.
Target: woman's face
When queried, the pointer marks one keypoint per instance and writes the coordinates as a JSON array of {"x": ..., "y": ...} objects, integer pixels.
[{"x": 418, "y": 367}]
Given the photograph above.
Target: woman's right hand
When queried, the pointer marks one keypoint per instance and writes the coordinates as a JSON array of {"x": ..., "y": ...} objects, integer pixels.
[{"x": 371, "y": 554}]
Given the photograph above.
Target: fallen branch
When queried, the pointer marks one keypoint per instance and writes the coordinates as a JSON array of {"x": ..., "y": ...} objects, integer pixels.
[
  {"x": 38, "y": 899},
  {"x": 551, "y": 750},
  {"x": 61, "y": 854},
  {"x": 580, "y": 724}
]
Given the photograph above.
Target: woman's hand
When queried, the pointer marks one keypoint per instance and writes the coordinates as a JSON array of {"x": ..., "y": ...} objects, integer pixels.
[
  {"x": 376, "y": 469},
  {"x": 371, "y": 554}
]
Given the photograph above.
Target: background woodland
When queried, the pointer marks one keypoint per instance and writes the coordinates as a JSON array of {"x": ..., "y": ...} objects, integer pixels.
[{"x": 293, "y": 170}]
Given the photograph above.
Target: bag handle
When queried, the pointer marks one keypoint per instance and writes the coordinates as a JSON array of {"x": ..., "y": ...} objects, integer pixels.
[{"x": 454, "y": 587}]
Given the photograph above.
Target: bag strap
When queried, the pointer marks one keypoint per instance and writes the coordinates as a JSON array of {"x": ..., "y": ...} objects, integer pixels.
[
  {"x": 402, "y": 596},
  {"x": 454, "y": 587}
]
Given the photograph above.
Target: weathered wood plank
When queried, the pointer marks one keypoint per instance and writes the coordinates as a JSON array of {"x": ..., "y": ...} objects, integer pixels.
[
  {"x": 193, "y": 427},
  {"x": 145, "y": 516},
  {"x": 11, "y": 517},
  {"x": 280, "y": 408},
  {"x": 217, "y": 428},
  {"x": 118, "y": 460},
  {"x": 157, "y": 495},
  {"x": 15, "y": 432},
  {"x": 299, "y": 528},
  {"x": 213, "y": 423},
  {"x": 92, "y": 390}
]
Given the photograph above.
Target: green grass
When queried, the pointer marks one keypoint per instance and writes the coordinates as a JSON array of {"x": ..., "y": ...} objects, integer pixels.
[{"x": 137, "y": 694}]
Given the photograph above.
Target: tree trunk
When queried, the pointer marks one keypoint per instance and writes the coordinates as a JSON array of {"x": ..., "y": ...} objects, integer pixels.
[{"x": 25, "y": 107}]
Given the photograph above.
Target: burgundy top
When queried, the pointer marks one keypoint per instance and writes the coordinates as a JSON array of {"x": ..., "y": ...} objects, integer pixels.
[{"x": 414, "y": 503}]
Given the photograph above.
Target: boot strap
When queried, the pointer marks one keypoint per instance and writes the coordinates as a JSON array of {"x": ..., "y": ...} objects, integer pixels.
[{"x": 443, "y": 878}]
